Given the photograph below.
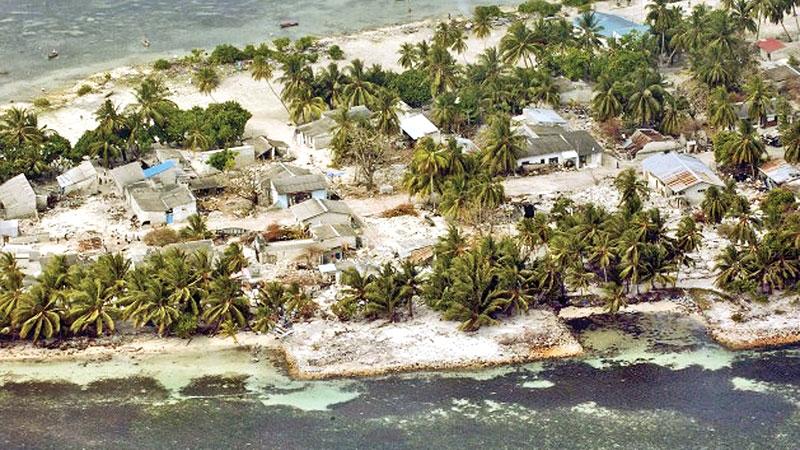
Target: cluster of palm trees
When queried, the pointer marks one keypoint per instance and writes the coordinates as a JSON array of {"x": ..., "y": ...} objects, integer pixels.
[
  {"x": 388, "y": 294},
  {"x": 459, "y": 184},
  {"x": 763, "y": 255},
  {"x": 126, "y": 134},
  {"x": 173, "y": 292},
  {"x": 26, "y": 147}
]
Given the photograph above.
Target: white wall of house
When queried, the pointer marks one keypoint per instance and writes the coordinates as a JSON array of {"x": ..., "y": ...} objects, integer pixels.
[
  {"x": 150, "y": 217},
  {"x": 182, "y": 212},
  {"x": 549, "y": 158},
  {"x": 89, "y": 184},
  {"x": 693, "y": 195}
]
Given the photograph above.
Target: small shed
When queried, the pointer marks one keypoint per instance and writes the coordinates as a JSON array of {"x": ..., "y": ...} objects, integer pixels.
[
  {"x": 416, "y": 126},
  {"x": 320, "y": 212},
  {"x": 17, "y": 198},
  {"x": 127, "y": 175},
  {"x": 777, "y": 172},
  {"x": 290, "y": 190},
  {"x": 675, "y": 174},
  {"x": 155, "y": 205},
  {"x": 79, "y": 178}
]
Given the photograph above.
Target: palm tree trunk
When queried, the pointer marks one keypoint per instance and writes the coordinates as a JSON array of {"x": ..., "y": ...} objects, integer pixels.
[
  {"x": 788, "y": 36},
  {"x": 275, "y": 93}
]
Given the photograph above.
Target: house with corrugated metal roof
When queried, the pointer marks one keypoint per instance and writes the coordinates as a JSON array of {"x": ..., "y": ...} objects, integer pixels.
[
  {"x": 320, "y": 212},
  {"x": 416, "y": 126},
  {"x": 155, "y": 204},
  {"x": 82, "y": 177},
  {"x": 679, "y": 175},
  {"x": 777, "y": 172},
  {"x": 289, "y": 190},
  {"x": 557, "y": 146}
]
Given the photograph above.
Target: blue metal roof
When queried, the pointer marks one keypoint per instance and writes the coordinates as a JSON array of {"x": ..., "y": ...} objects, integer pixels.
[
  {"x": 159, "y": 168},
  {"x": 615, "y": 26}
]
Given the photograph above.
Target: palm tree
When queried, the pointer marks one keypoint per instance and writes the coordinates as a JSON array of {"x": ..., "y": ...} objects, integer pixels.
[
  {"x": 721, "y": 113},
  {"x": 688, "y": 236},
  {"x": 606, "y": 102},
  {"x": 11, "y": 284},
  {"x": 408, "y": 55},
  {"x": 534, "y": 232},
  {"x": 409, "y": 280},
  {"x": 196, "y": 138},
  {"x": 206, "y": 79},
  {"x": 674, "y": 115},
  {"x": 790, "y": 138},
  {"x": 446, "y": 112},
  {"x": 743, "y": 230},
  {"x": 37, "y": 315},
  {"x": 741, "y": 13},
  {"x": 645, "y": 103},
  {"x": 614, "y": 297},
  {"x": 471, "y": 296},
  {"x": 759, "y": 98},
  {"x": 631, "y": 189},
  {"x": 152, "y": 305},
  {"x": 330, "y": 82},
  {"x": 729, "y": 267},
  {"x": 296, "y": 77},
  {"x": 20, "y": 126},
  {"x": 660, "y": 18},
  {"x": 481, "y": 23},
  {"x": 745, "y": 148},
  {"x": 304, "y": 107},
  {"x": 358, "y": 90},
  {"x": 92, "y": 305},
  {"x": 458, "y": 40},
  {"x": 442, "y": 70},
  {"x": 109, "y": 120},
  {"x": 262, "y": 69},
  {"x": 502, "y": 146},
  {"x": 775, "y": 11},
  {"x": 426, "y": 171},
  {"x": 384, "y": 295},
  {"x": 714, "y": 205},
  {"x": 603, "y": 254},
  {"x": 545, "y": 90},
  {"x": 107, "y": 147},
  {"x": 225, "y": 302},
  {"x": 589, "y": 30},
  {"x": 385, "y": 108},
  {"x": 151, "y": 102},
  {"x": 518, "y": 44}
]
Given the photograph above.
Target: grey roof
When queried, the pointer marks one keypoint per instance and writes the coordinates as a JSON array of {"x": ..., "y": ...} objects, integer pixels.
[
  {"x": 128, "y": 174},
  {"x": 316, "y": 207},
  {"x": 165, "y": 154},
  {"x": 562, "y": 141},
  {"x": 208, "y": 182},
  {"x": 328, "y": 231},
  {"x": 17, "y": 197},
  {"x": 281, "y": 170},
  {"x": 154, "y": 199},
  {"x": 543, "y": 116},
  {"x": 80, "y": 173},
  {"x": 779, "y": 171},
  {"x": 680, "y": 172},
  {"x": 417, "y": 126},
  {"x": 317, "y": 128},
  {"x": 301, "y": 183}
]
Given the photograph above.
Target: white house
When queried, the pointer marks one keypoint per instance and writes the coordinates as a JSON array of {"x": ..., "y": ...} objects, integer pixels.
[
  {"x": 319, "y": 133},
  {"x": 290, "y": 190},
  {"x": 679, "y": 175},
  {"x": 321, "y": 212},
  {"x": 127, "y": 175},
  {"x": 81, "y": 177},
  {"x": 17, "y": 198},
  {"x": 154, "y": 205},
  {"x": 416, "y": 126},
  {"x": 556, "y": 146}
]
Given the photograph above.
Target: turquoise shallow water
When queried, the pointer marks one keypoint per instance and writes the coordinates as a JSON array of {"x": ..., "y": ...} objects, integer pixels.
[
  {"x": 96, "y": 35},
  {"x": 648, "y": 382}
]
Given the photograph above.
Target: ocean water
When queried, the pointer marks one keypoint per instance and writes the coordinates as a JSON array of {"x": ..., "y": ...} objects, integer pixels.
[
  {"x": 647, "y": 382},
  {"x": 97, "y": 35}
]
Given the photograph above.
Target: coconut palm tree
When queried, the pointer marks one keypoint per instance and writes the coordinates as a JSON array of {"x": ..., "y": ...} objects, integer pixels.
[
  {"x": 426, "y": 171},
  {"x": 588, "y": 30},
  {"x": 632, "y": 190},
  {"x": 330, "y": 82},
  {"x": 729, "y": 266},
  {"x": 606, "y": 103},
  {"x": 688, "y": 237},
  {"x": 674, "y": 115},
  {"x": 442, "y": 70},
  {"x": 408, "y": 55},
  {"x": 660, "y": 18},
  {"x": 775, "y": 11},
  {"x": 721, "y": 113},
  {"x": 447, "y": 113},
  {"x": 759, "y": 98},
  {"x": 106, "y": 147},
  {"x": 458, "y": 40},
  {"x": 304, "y": 107},
  {"x": 262, "y": 70},
  {"x": 743, "y": 230},
  {"x": 358, "y": 90},
  {"x": 615, "y": 297},
  {"x": 19, "y": 126},
  {"x": 37, "y": 315},
  {"x": 790, "y": 138},
  {"x": 152, "y": 102},
  {"x": 518, "y": 44},
  {"x": 502, "y": 146},
  {"x": 742, "y": 15},
  {"x": 92, "y": 305},
  {"x": 109, "y": 120},
  {"x": 645, "y": 104},
  {"x": 196, "y": 138},
  {"x": 11, "y": 284},
  {"x": 535, "y": 232},
  {"x": 481, "y": 23},
  {"x": 471, "y": 296},
  {"x": 714, "y": 205},
  {"x": 545, "y": 90},
  {"x": 745, "y": 148},
  {"x": 225, "y": 302},
  {"x": 385, "y": 107},
  {"x": 408, "y": 277},
  {"x": 152, "y": 305},
  {"x": 296, "y": 76},
  {"x": 384, "y": 295},
  {"x": 207, "y": 80}
]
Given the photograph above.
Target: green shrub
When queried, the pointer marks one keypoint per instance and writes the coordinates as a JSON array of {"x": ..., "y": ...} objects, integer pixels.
[
  {"x": 226, "y": 54},
  {"x": 41, "y": 102},
  {"x": 282, "y": 43},
  {"x": 222, "y": 160},
  {"x": 186, "y": 326},
  {"x": 540, "y": 7},
  {"x": 737, "y": 317},
  {"x": 413, "y": 87},
  {"x": 84, "y": 89},
  {"x": 162, "y": 64},
  {"x": 576, "y": 3},
  {"x": 335, "y": 53}
]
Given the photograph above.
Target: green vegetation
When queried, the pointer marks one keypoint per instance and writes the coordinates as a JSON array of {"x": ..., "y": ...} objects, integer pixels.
[
  {"x": 335, "y": 53},
  {"x": 162, "y": 64},
  {"x": 84, "y": 90},
  {"x": 171, "y": 293},
  {"x": 29, "y": 148},
  {"x": 41, "y": 102},
  {"x": 540, "y": 7},
  {"x": 222, "y": 160}
]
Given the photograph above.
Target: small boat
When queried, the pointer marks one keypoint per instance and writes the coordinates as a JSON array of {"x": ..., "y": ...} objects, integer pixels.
[
  {"x": 289, "y": 23},
  {"x": 53, "y": 54},
  {"x": 146, "y": 43}
]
